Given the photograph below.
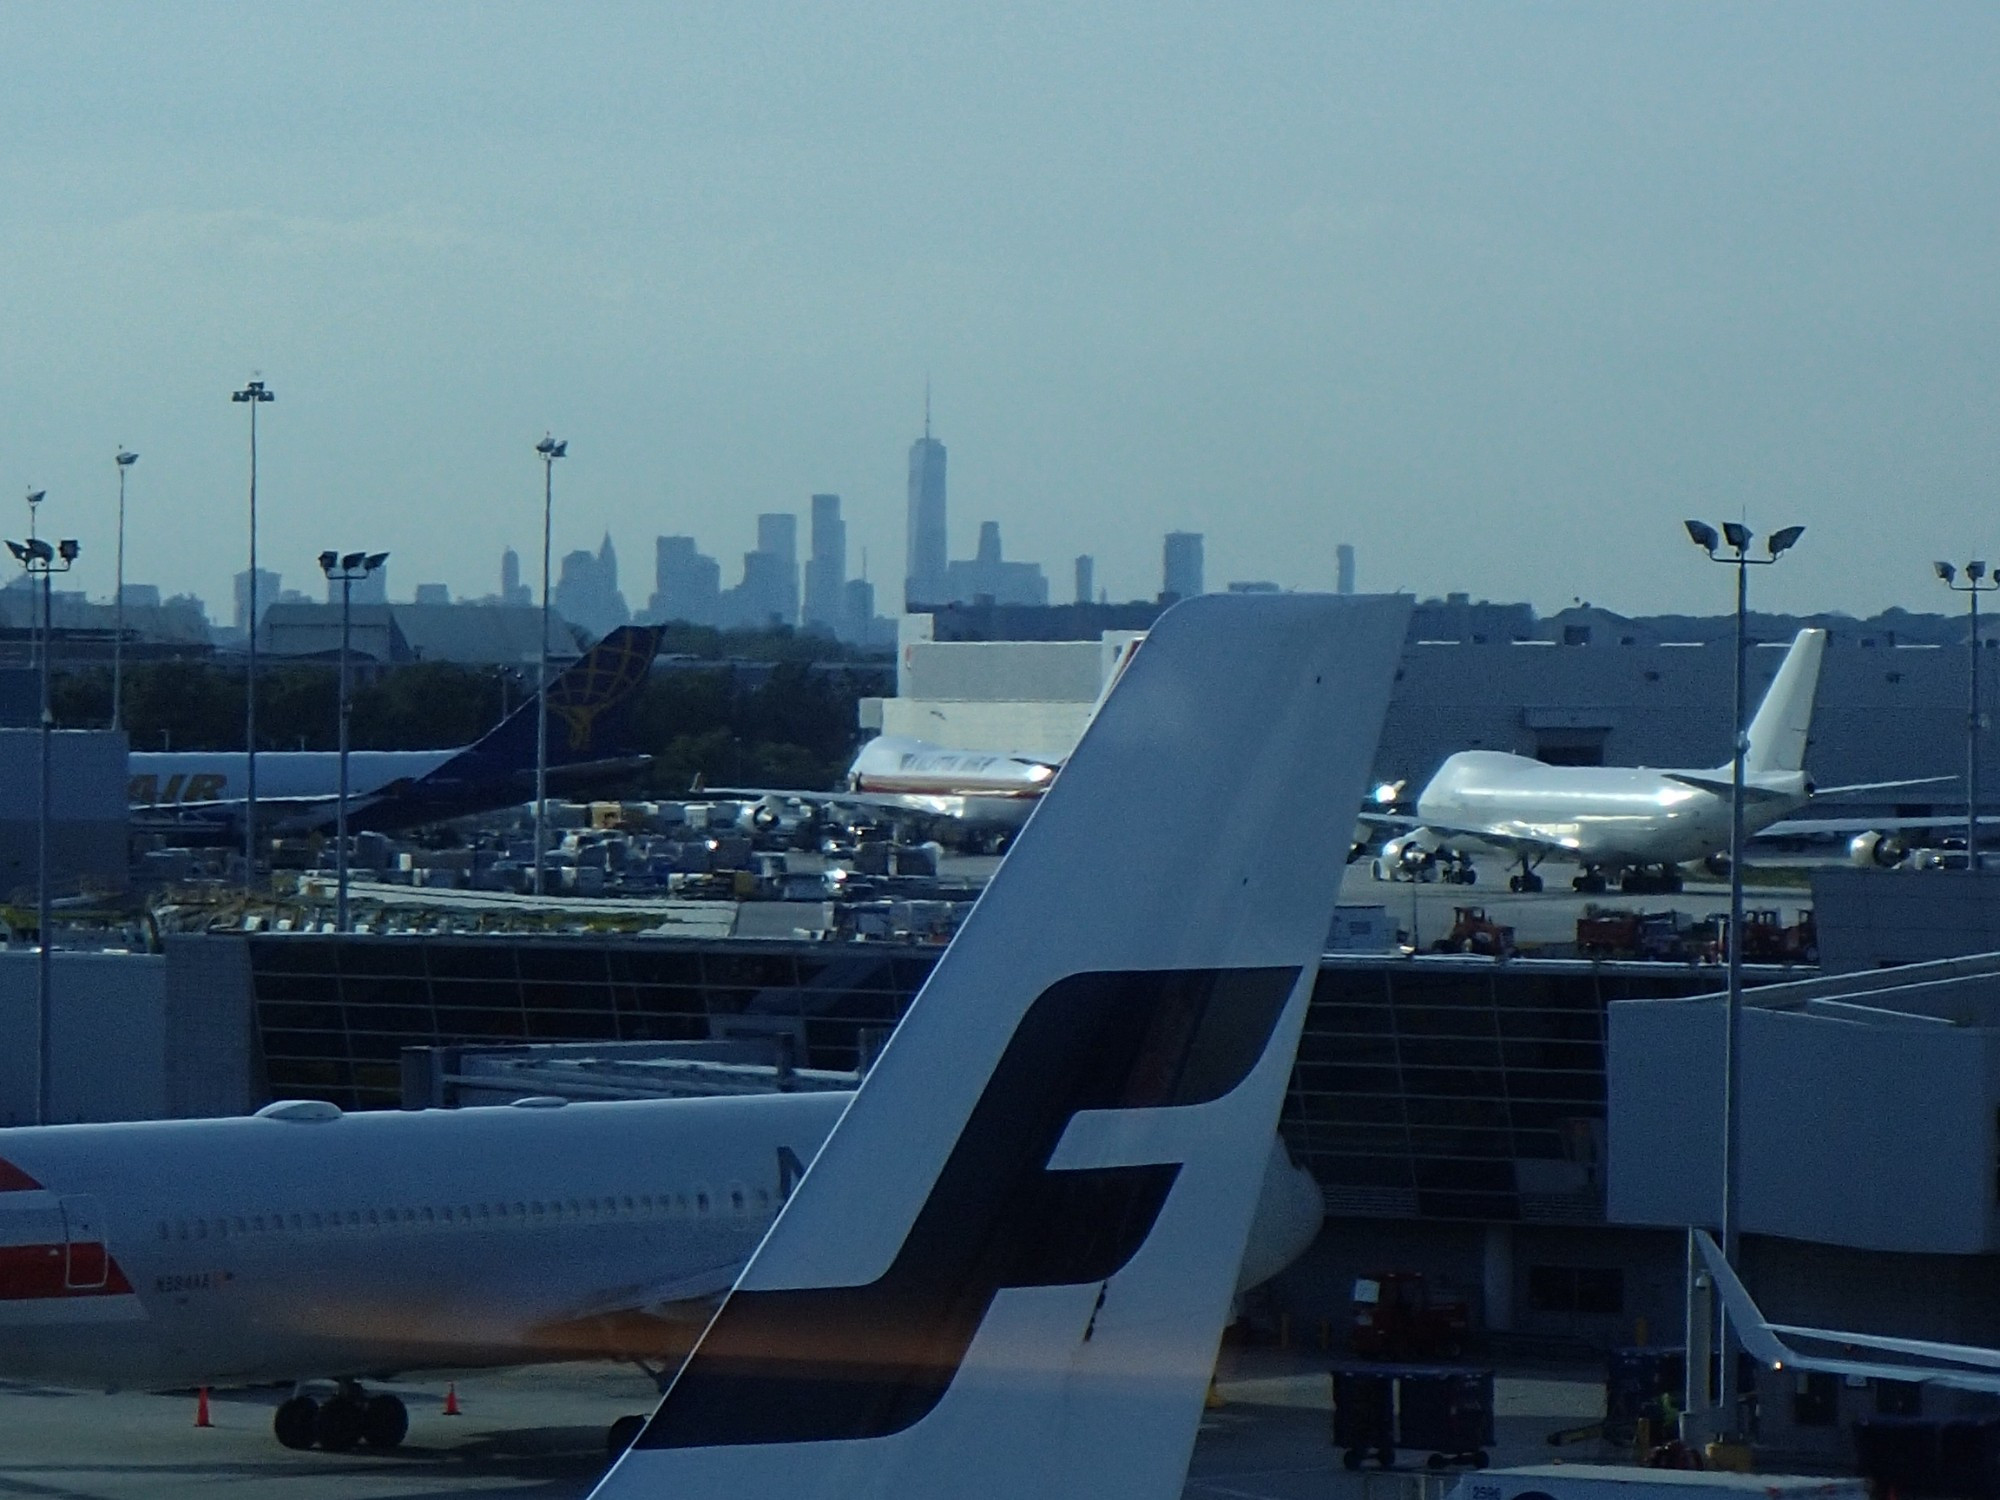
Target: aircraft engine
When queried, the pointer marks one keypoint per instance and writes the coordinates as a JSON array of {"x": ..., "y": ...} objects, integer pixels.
[
  {"x": 1717, "y": 865},
  {"x": 1876, "y": 851},
  {"x": 1404, "y": 857}
]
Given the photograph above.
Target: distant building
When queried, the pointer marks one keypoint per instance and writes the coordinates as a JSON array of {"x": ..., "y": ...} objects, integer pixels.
[
  {"x": 140, "y": 596},
  {"x": 1343, "y": 557},
  {"x": 826, "y": 571},
  {"x": 924, "y": 572},
  {"x": 587, "y": 592},
  {"x": 512, "y": 590},
  {"x": 1181, "y": 573},
  {"x": 989, "y": 576},
  {"x": 433, "y": 593},
  {"x": 1254, "y": 586},
  {"x": 778, "y": 537},
  {"x": 267, "y": 594},
  {"x": 1086, "y": 569},
  {"x": 687, "y": 585}
]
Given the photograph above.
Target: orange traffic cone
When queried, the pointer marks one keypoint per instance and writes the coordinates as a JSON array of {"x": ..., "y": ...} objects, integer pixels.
[
  {"x": 201, "y": 1409},
  {"x": 451, "y": 1400}
]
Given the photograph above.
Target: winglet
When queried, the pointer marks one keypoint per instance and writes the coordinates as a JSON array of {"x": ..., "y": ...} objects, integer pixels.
[
  {"x": 1747, "y": 1322},
  {"x": 1007, "y": 1271}
]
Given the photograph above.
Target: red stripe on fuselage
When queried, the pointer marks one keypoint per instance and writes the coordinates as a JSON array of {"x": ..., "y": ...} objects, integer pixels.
[
  {"x": 14, "y": 1180},
  {"x": 35, "y": 1271}
]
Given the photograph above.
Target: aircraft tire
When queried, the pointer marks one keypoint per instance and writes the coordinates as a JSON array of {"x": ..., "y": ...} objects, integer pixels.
[
  {"x": 340, "y": 1424},
  {"x": 623, "y": 1433},
  {"x": 296, "y": 1422},
  {"x": 385, "y": 1421}
]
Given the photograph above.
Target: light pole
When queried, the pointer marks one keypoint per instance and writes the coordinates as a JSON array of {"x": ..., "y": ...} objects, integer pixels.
[
  {"x": 254, "y": 395},
  {"x": 125, "y": 459},
  {"x": 1976, "y": 583},
  {"x": 1736, "y": 537},
  {"x": 40, "y": 560},
  {"x": 551, "y": 450},
  {"x": 346, "y": 570}
]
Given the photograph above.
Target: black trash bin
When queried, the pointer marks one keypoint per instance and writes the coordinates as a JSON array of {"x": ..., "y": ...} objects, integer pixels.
[
  {"x": 1448, "y": 1411},
  {"x": 1364, "y": 1415}
]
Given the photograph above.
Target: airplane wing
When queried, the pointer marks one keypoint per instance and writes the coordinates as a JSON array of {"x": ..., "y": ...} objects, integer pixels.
[
  {"x": 1751, "y": 791},
  {"x": 1959, "y": 1366},
  {"x": 1877, "y": 786}
]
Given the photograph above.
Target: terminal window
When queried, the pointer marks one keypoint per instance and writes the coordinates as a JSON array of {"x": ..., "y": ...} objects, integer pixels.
[{"x": 1592, "y": 1290}]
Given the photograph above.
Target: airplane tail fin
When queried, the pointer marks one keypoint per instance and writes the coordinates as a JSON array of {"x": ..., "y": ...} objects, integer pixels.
[
  {"x": 1784, "y": 719},
  {"x": 1007, "y": 1270},
  {"x": 588, "y": 704}
]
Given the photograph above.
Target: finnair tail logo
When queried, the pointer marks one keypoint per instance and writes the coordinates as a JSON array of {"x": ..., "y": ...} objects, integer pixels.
[{"x": 823, "y": 1364}]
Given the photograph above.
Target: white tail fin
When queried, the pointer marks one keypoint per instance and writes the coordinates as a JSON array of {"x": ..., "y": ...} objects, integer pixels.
[
  {"x": 1784, "y": 719},
  {"x": 1008, "y": 1268}
]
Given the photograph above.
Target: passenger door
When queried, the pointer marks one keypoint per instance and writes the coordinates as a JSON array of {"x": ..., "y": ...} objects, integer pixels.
[{"x": 87, "y": 1263}]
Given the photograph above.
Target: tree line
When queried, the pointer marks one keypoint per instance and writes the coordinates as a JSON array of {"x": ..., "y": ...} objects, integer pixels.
[{"x": 787, "y": 720}]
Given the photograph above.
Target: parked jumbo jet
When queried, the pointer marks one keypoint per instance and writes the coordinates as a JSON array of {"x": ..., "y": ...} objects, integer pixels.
[
  {"x": 978, "y": 798},
  {"x": 1630, "y": 824},
  {"x": 302, "y": 1243},
  {"x": 391, "y": 789},
  {"x": 1007, "y": 1270},
  {"x": 1084, "y": 1096}
]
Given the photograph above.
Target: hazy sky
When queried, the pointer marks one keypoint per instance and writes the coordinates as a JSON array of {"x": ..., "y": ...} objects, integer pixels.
[{"x": 1496, "y": 292}]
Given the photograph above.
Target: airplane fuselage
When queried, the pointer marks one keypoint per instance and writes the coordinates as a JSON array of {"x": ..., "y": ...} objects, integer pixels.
[
  {"x": 1610, "y": 817},
  {"x": 170, "y": 1254},
  {"x": 172, "y": 778}
]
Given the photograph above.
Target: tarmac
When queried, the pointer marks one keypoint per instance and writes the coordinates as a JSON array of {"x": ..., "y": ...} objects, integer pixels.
[{"x": 539, "y": 1432}]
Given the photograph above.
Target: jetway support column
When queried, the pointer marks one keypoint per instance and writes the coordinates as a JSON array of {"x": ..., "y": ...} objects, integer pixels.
[{"x": 1497, "y": 1277}]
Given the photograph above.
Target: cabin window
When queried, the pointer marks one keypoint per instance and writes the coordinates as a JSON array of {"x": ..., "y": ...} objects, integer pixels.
[
  {"x": 736, "y": 1201},
  {"x": 701, "y": 1203},
  {"x": 628, "y": 1205},
  {"x": 428, "y": 1216}
]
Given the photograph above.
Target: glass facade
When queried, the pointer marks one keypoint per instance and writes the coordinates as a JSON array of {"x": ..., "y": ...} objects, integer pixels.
[{"x": 1425, "y": 1088}]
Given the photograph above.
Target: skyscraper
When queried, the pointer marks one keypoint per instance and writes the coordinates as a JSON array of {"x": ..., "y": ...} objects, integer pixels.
[
  {"x": 267, "y": 593},
  {"x": 1344, "y": 565},
  {"x": 1086, "y": 570},
  {"x": 778, "y": 538},
  {"x": 686, "y": 584},
  {"x": 512, "y": 590},
  {"x": 990, "y": 576},
  {"x": 924, "y": 572},
  {"x": 826, "y": 572},
  {"x": 1182, "y": 565}
]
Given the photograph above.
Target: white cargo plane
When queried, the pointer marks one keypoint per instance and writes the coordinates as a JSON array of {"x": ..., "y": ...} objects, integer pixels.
[
  {"x": 1631, "y": 824},
  {"x": 1007, "y": 1271},
  {"x": 304, "y": 1243}
]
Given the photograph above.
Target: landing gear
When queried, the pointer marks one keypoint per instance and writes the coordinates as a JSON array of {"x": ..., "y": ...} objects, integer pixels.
[
  {"x": 1590, "y": 883},
  {"x": 624, "y": 1433},
  {"x": 346, "y": 1420},
  {"x": 296, "y": 1422},
  {"x": 1527, "y": 883}
]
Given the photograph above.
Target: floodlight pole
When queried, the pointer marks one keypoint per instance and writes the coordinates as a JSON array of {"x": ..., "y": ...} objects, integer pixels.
[
  {"x": 1976, "y": 583},
  {"x": 40, "y": 561},
  {"x": 346, "y": 571},
  {"x": 550, "y": 450},
  {"x": 254, "y": 394},
  {"x": 125, "y": 459},
  {"x": 1738, "y": 542}
]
